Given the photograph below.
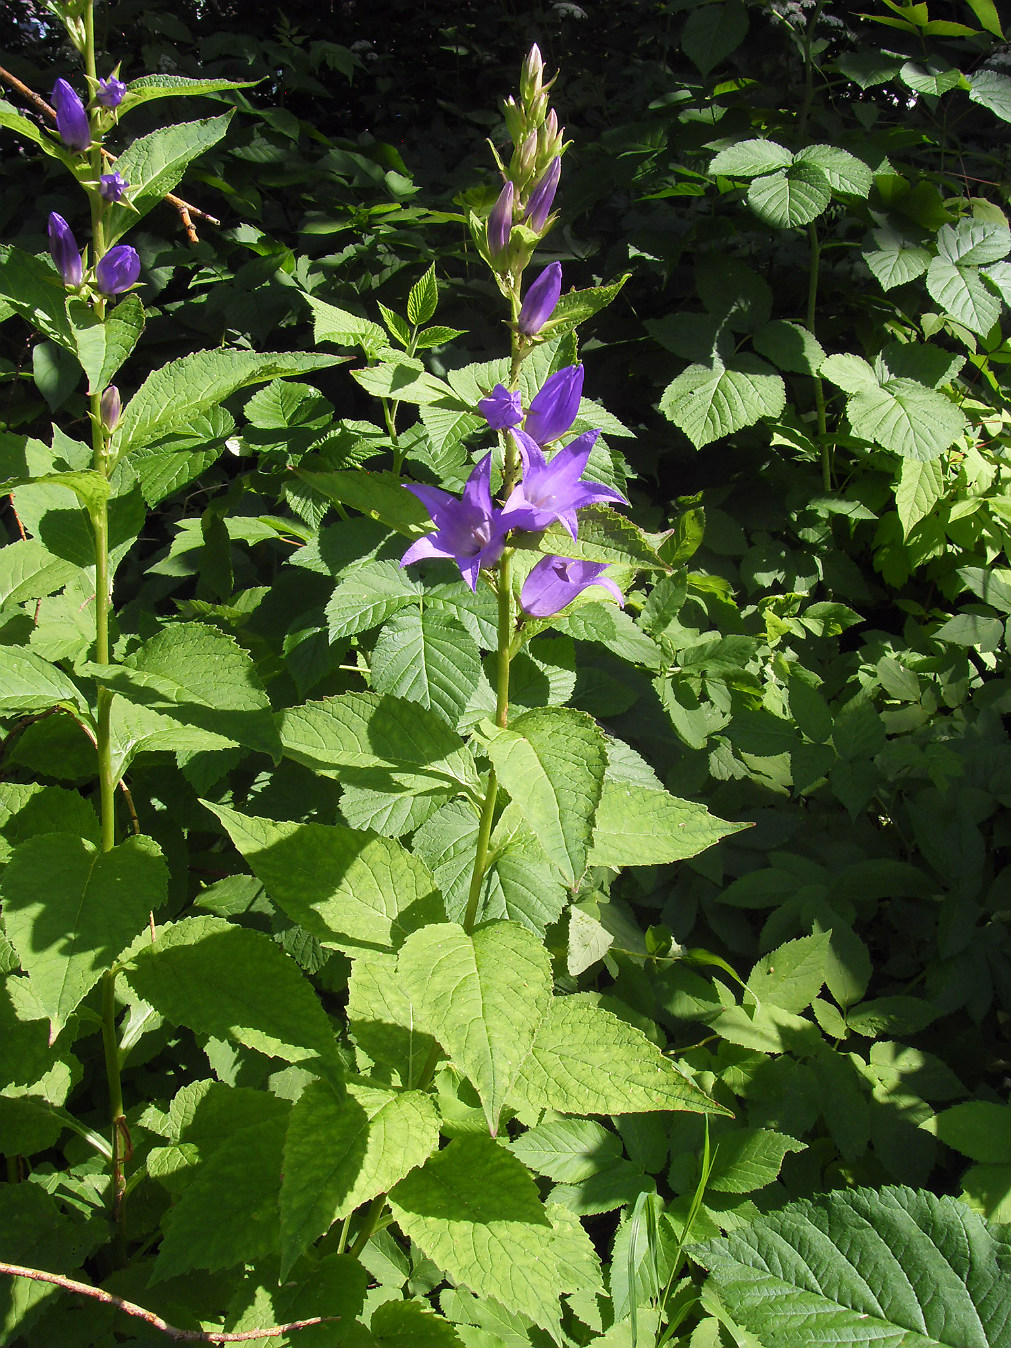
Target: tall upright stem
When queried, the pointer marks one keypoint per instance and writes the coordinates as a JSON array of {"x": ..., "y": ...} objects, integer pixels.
[{"x": 819, "y": 390}]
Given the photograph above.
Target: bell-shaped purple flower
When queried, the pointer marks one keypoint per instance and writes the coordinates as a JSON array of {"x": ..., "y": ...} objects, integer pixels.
[
  {"x": 118, "y": 269},
  {"x": 501, "y": 409},
  {"x": 111, "y": 407},
  {"x": 111, "y": 92},
  {"x": 500, "y": 221},
  {"x": 541, "y": 298},
  {"x": 554, "y": 408},
  {"x": 553, "y": 491},
  {"x": 71, "y": 119},
  {"x": 63, "y": 247},
  {"x": 541, "y": 198},
  {"x": 468, "y": 529},
  {"x": 113, "y": 186},
  {"x": 556, "y": 581}
]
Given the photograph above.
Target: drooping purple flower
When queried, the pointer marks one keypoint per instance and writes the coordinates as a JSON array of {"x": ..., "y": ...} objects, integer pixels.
[
  {"x": 500, "y": 221},
  {"x": 501, "y": 409},
  {"x": 468, "y": 529},
  {"x": 553, "y": 491},
  {"x": 118, "y": 269},
  {"x": 541, "y": 198},
  {"x": 111, "y": 92},
  {"x": 554, "y": 408},
  {"x": 111, "y": 407},
  {"x": 71, "y": 119},
  {"x": 64, "y": 250},
  {"x": 540, "y": 301},
  {"x": 556, "y": 581},
  {"x": 113, "y": 186}
]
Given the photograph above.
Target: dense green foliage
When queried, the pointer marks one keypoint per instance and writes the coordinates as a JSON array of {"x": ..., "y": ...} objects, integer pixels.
[{"x": 703, "y": 1039}]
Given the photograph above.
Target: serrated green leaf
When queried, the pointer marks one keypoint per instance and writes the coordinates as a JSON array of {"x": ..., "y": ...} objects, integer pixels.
[
  {"x": 104, "y": 343},
  {"x": 235, "y": 984},
  {"x": 964, "y": 294},
  {"x": 931, "y": 80},
  {"x": 149, "y": 87},
  {"x": 351, "y": 891},
  {"x": 919, "y": 488},
  {"x": 344, "y": 329},
  {"x": 974, "y": 242},
  {"x": 850, "y": 372},
  {"x": 423, "y": 300},
  {"x": 979, "y": 1129},
  {"x": 587, "y": 1061},
  {"x": 437, "y": 335},
  {"x": 28, "y": 570},
  {"x": 895, "y": 263},
  {"x": 33, "y": 288},
  {"x": 747, "y": 1159},
  {"x": 844, "y": 171},
  {"x": 789, "y": 346},
  {"x": 70, "y": 909},
  {"x": 367, "y": 596},
  {"x": 405, "y": 380},
  {"x": 906, "y": 417},
  {"x": 552, "y": 762},
  {"x": 709, "y": 402},
  {"x": 481, "y": 997},
  {"x": 28, "y": 130},
  {"x": 382, "y": 1019},
  {"x": 750, "y": 159},
  {"x": 792, "y": 975},
  {"x": 991, "y": 90},
  {"x": 29, "y": 683},
  {"x": 611, "y": 627},
  {"x": 791, "y": 197},
  {"x": 896, "y": 1267},
  {"x": 381, "y": 496},
  {"x": 578, "y": 305},
  {"x": 340, "y": 1152},
  {"x": 639, "y": 825},
  {"x": 427, "y": 656},
  {"x": 396, "y": 1324},
  {"x": 567, "y": 1150},
  {"x": 396, "y": 326}
]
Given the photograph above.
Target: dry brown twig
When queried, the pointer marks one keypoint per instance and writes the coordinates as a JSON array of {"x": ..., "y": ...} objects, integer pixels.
[
  {"x": 186, "y": 209},
  {"x": 131, "y": 1308}
]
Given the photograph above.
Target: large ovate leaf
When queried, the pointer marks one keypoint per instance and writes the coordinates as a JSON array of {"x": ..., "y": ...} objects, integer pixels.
[
  {"x": 750, "y": 159},
  {"x": 709, "y": 402},
  {"x": 32, "y": 287},
  {"x": 552, "y": 763},
  {"x": 381, "y": 496},
  {"x": 427, "y": 656},
  {"x": 367, "y": 596},
  {"x": 233, "y": 983},
  {"x": 899, "y": 1268},
  {"x": 713, "y": 32},
  {"x": 585, "y": 1060},
  {"x": 791, "y": 197},
  {"x": 70, "y": 909},
  {"x": 104, "y": 343},
  {"x": 640, "y": 825},
  {"x": 383, "y": 1021},
  {"x": 906, "y": 417},
  {"x": 29, "y": 683},
  {"x": 962, "y": 292},
  {"x": 341, "y": 1151},
  {"x": 482, "y": 997},
  {"x": 350, "y": 890}
]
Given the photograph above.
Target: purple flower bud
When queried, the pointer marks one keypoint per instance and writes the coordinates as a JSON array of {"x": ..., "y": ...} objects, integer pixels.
[
  {"x": 118, "y": 269},
  {"x": 501, "y": 409},
  {"x": 63, "y": 247},
  {"x": 500, "y": 221},
  {"x": 111, "y": 407},
  {"x": 532, "y": 74},
  {"x": 113, "y": 186},
  {"x": 71, "y": 119},
  {"x": 556, "y": 581},
  {"x": 111, "y": 92},
  {"x": 554, "y": 408},
  {"x": 540, "y": 301},
  {"x": 539, "y": 205}
]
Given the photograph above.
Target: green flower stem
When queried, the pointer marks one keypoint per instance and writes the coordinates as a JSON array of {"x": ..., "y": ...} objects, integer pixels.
[
  {"x": 819, "y": 390},
  {"x": 120, "y": 1135}
]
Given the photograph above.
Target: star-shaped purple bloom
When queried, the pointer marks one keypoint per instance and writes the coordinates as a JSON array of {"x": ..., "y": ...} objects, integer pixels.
[
  {"x": 469, "y": 529},
  {"x": 556, "y": 581},
  {"x": 553, "y": 491}
]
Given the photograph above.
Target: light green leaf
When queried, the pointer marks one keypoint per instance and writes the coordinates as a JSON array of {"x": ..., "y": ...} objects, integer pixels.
[
  {"x": 713, "y": 32},
  {"x": 845, "y": 172},
  {"x": 104, "y": 344},
  {"x": 172, "y": 396},
  {"x": 552, "y": 761},
  {"x": 919, "y": 488},
  {"x": 587, "y": 1061},
  {"x": 604, "y": 536},
  {"x": 474, "y": 1211},
  {"x": 964, "y": 294},
  {"x": 481, "y": 997},
  {"x": 895, "y": 1268},
  {"x": 979, "y": 1129},
  {"x": 29, "y": 683},
  {"x": 427, "y": 656},
  {"x": 639, "y": 825},
  {"x": 578, "y": 305},
  {"x": 423, "y": 300},
  {"x": 366, "y": 596},
  {"x": 609, "y": 626},
  {"x": 567, "y": 1150},
  {"x": 381, "y": 496},
  {"x": 906, "y": 417},
  {"x": 90, "y": 487},
  {"x": 750, "y": 159},
  {"x": 344, "y": 329},
  {"x": 201, "y": 677},
  {"x": 790, "y": 346},
  {"x": 747, "y": 1159},
  {"x": 340, "y": 1152},
  {"x": 894, "y": 262},
  {"x": 150, "y": 87},
  {"x": 931, "y": 80},
  {"x": 382, "y": 1019},
  {"x": 30, "y": 571},
  {"x": 33, "y": 289},
  {"x": 28, "y": 130},
  {"x": 974, "y": 242},
  {"x": 70, "y": 909},
  {"x": 155, "y": 163},
  {"x": 974, "y": 630},
  {"x": 352, "y": 891},
  {"x": 396, "y": 1324},
  {"x": 991, "y": 90},
  {"x": 406, "y": 380},
  {"x": 235, "y": 984},
  {"x": 850, "y": 372},
  {"x": 791, "y": 197},
  {"x": 709, "y": 402},
  {"x": 792, "y": 975}
]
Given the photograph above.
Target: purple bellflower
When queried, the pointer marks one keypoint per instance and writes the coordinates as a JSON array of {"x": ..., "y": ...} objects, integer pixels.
[
  {"x": 111, "y": 407},
  {"x": 501, "y": 409},
  {"x": 66, "y": 254},
  {"x": 553, "y": 491},
  {"x": 71, "y": 119},
  {"x": 468, "y": 530},
  {"x": 539, "y": 205},
  {"x": 554, "y": 408},
  {"x": 111, "y": 92},
  {"x": 541, "y": 298},
  {"x": 500, "y": 221},
  {"x": 113, "y": 186},
  {"x": 118, "y": 269},
  {"x": 556, "y": 581}
]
